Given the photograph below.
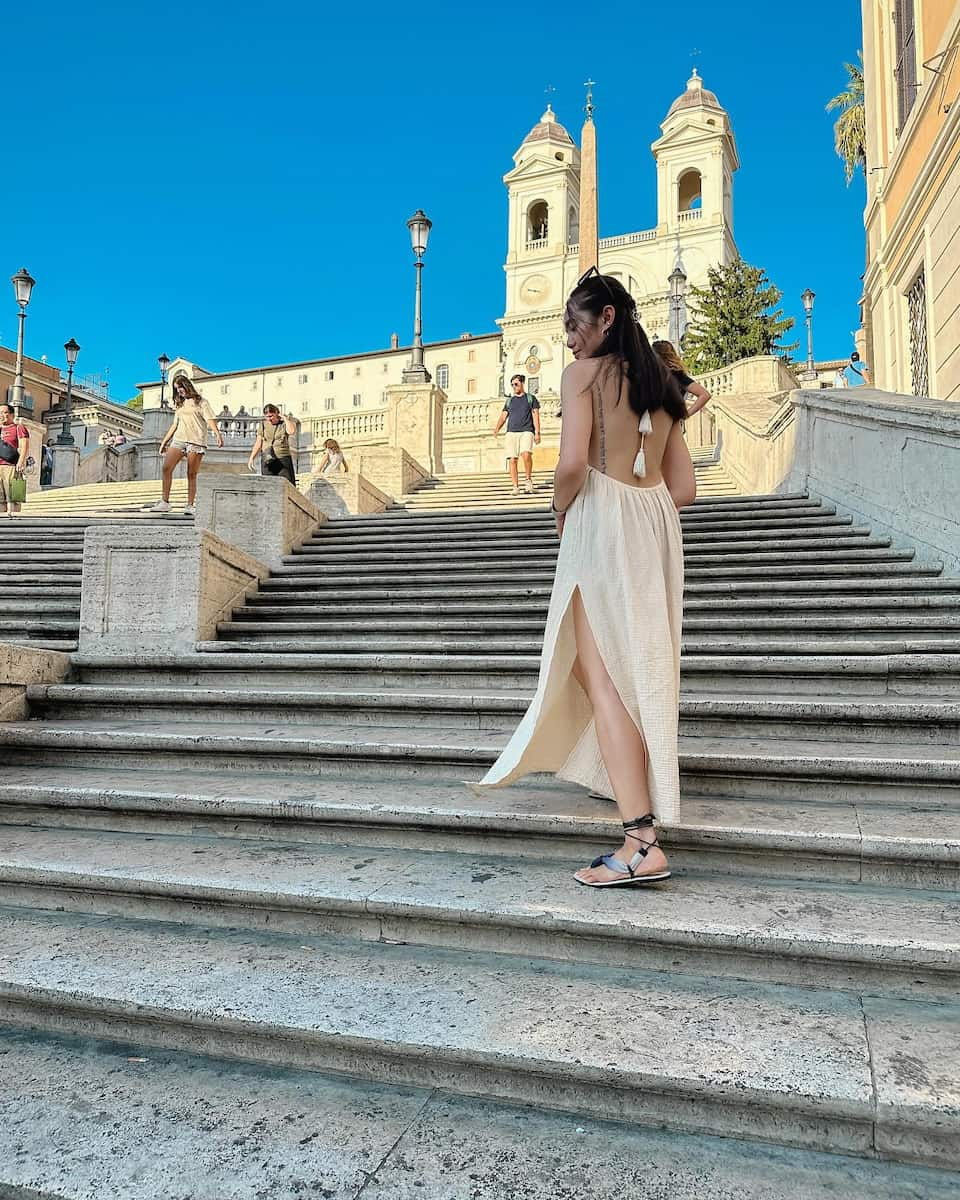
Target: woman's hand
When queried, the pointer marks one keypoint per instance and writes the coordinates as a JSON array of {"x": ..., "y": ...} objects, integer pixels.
[{"x": 220, "y": 439}]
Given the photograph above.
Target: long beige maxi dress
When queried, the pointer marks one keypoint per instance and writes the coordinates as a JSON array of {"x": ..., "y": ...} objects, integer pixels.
[{"x": 622, "y": 547}]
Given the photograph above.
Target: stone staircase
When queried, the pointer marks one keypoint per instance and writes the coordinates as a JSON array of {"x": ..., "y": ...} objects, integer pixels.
[
  {"x": 41, "y": 552},
  {"x": 455, "y": 492},
  {"x": 263, "y": 852}
]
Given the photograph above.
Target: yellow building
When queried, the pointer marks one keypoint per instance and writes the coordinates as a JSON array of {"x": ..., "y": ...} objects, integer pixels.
[{"x": 911, "y": 59}]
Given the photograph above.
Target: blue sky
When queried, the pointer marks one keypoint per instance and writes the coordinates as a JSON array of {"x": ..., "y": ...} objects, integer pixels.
[{"x": 231, "y": 182}]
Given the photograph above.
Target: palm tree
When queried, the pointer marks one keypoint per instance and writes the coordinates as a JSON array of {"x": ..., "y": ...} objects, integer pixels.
[{"x": 850, "y": 129}]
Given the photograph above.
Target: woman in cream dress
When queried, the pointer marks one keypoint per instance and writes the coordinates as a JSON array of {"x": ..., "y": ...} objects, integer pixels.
[{"x": 605, "y": 713}]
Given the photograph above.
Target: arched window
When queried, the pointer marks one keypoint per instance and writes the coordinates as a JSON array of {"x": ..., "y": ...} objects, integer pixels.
[
  {"x": 688, "y": 191},
  {"x": 538, "y": 221},
  {"x": 573, "y": 227},
  {"x": 443, "y": 376}
]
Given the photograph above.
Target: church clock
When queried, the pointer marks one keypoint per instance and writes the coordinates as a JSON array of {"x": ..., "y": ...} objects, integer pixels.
[{"x": 535, "y": 290}]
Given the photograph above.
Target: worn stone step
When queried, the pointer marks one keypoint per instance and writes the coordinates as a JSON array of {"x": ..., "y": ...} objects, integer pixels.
[
  {"x": 814, "y": 717},
  {"x": 276, "y": 641},
  {"x": 477, "y": 1023},
  {"x": 275, "y": 1131},
  {"x": 888, "y": 942},
  {"x": 839, "y": 841},
  {"x": 252, "y": 622},
  {"x": 750, "y": 768},
  {"x": 449, "y": 559}
]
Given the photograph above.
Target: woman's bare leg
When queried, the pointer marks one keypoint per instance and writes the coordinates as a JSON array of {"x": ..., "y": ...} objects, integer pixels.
[
  {"x": 622, "y": 747},
  {"x": 170, "y": 461},
  {"x": 194, "y": 462}
]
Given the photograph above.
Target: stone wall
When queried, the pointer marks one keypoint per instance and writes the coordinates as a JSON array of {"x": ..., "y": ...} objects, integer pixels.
[
  {"x": 21, "y": 666},
  {"x": 262, "y": 515},
  {"x": 892, "y": 460},
  {"x": 341, "y": 495}
]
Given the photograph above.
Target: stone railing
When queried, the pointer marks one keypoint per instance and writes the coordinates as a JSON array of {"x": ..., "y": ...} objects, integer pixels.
[
  {"x": 239, "y": 430},
  {"x": 471, "y": 414},
  {"x": 893, "y": 461},
  {"x": 538, "y": 244},
  {"x": 108, "y": 464},
  {"x": 690, "y": 214},
  {"x": 628, "y": 239},
  {"x": 764, "y": 373},
  {"x": 350, "y": 428},
  {"x": 755, "y": 440}
]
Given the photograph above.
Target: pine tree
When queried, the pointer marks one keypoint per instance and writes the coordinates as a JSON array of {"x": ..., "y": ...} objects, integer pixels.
[
  {"x": 735, "y": 316},
  {"x": 850, "y": 128}
]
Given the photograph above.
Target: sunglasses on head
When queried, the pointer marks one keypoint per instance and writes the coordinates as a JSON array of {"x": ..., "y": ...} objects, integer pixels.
[{"x": 596, "y": 271}]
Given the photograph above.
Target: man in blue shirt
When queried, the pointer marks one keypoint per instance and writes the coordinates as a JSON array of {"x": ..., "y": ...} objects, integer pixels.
[{"x": 522, "y": 416}]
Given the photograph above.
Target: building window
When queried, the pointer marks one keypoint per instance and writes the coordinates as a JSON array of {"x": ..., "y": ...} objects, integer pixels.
[
  {"x": 302, "y": 378},
  {"x": 304, "y": 406},
  {"x": 224, "y": 389},
  {"x": 328, "y": 375},
  {"x": 471, "y": 386},
  {"x": 533, "y": 385},
  {"x": 356, "y": 371},
  {"x": 443, "y": 376},
  {"x": 356, "y": 400},
  {"x": 383, "y": 397},
  {"x": 254, "y": 385},
  {"x": 538, "y": 221},
  {"x": 386, "y": 368},
  {"x": 328, "y": 404},
  {"x": 917, "y": 318},
  {"x": 689, "y": 191},
  {"x": 905, "y": 72},
  {"x": 471, "y": 356},
  {"x": 278, "y": 382}
]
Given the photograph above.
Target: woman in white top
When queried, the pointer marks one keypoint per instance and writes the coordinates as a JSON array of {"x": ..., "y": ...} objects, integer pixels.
[
  {"x": 186, "y": 436},
  {"x": 333, "y": 459}
]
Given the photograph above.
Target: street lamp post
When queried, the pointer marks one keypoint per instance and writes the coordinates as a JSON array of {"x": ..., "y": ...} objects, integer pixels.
[
  {"x": 22, "y": 286},
  {"x": 419, "y": 226},
  {"x": 164, "y": 365},
  {"x": 65, "y": 437},
  {"x": 808, "y": 298},
  {"x": 678, "y": 286}
]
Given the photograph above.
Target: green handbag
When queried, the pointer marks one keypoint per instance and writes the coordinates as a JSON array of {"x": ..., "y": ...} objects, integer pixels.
[{"x": 17, "y": 489}]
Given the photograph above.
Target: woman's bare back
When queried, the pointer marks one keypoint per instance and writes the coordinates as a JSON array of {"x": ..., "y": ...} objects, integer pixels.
[{"x": 615, "y": 438}]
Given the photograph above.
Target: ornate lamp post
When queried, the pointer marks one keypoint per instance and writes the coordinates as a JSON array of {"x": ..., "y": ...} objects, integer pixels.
[
  {"x": 164, "y": 367},
  {"x": 22, "y": 286},
  {"x": 419, "y": 226},
  {"x": 65, "y": 437},
  {"x": 808, "y": 298},
  {"x": 678, "y": 288}
]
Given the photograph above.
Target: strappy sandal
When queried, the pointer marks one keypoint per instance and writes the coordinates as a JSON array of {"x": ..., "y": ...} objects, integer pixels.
[{"x": 629, "y": 870}]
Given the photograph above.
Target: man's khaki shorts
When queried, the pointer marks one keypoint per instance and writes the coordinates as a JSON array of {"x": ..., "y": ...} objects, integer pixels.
[
  {"x": 6, "y": 474},
  {"x": 519, "y": 443}
]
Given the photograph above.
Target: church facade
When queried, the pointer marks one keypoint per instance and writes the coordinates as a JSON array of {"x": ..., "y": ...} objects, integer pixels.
[{"x": 345, "y": 397}]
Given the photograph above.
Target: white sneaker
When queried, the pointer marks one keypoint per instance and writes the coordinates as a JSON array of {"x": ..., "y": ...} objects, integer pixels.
[
  {"x": 161, "y": 506},
  {"x": 528, "y": 487},
  {"x": 189, "y": 511},
  {"x": 515, "y": 492}
]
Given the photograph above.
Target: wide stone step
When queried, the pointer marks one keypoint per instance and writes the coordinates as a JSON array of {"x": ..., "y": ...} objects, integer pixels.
[
  {"x": 307, "y": 621},
  {"x": 401, "y": 602},
  {"x": 477, "y": 1023},
  {"x": 352, "y": 1137},
  {"x": 248, "y": 636},
  {"x": 751, "y": 768},
  {"x": 888, "y": 942},
  {"x": 812, "y": 718},
  {"x": 921, "y": 676},
  {"x": 837, "y": 841},
  {"x": 852, "y": 547}
]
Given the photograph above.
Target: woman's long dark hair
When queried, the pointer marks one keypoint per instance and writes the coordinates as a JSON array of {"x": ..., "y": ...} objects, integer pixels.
[
  {"x": 650, "y": 386},
  {"x": 188, "y": 387}
]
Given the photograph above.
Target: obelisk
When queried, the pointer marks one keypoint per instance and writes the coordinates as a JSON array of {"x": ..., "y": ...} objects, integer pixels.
[{"x": 589, "y": 220}]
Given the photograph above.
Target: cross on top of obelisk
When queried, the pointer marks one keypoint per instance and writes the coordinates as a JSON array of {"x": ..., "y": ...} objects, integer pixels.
[{"x": 588, "y": 107}]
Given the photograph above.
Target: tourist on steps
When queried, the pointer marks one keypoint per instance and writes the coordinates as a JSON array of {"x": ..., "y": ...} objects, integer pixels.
[
  {"x": 606, "y": 710},
  {"x": 273, "y": 444},
  {"x": 688, "y": 386},
  {"x": 187, "y": 436},
  {"x": 333, "y": 460},
  {"x": 522, "y": 415},
  {"x": 14, "y": 448}
]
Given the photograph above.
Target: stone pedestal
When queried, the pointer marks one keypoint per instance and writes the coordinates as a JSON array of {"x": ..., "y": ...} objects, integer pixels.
[
  {"x": 261, "y": 515},
  {"x": 415, "y": 422},
  {"x": 151, "y": 590},
  {"x": 342, "y": 495},
  {"x": 65, "y": 462}
]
